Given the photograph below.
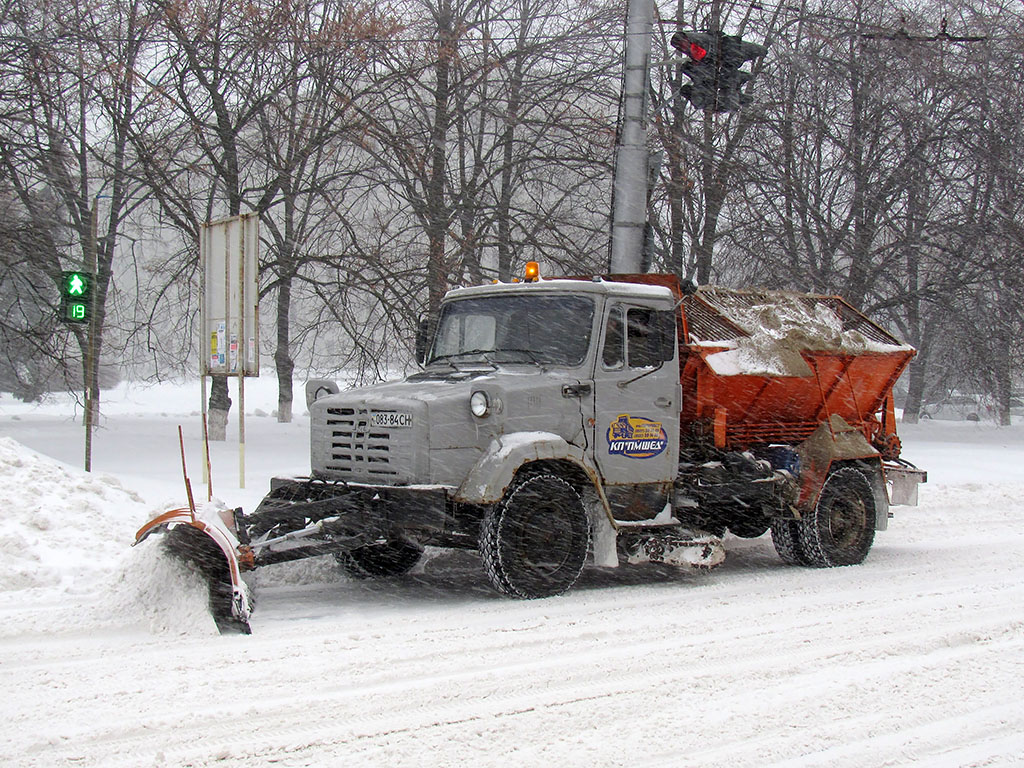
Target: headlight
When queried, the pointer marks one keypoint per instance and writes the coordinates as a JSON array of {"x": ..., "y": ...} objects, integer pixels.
[{"x": 479, "y": 404}]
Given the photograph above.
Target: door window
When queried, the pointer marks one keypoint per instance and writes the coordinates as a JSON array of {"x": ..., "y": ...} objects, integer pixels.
[
  {"x": 650, "y": 337},
  {"x": 613, "y": 356}
]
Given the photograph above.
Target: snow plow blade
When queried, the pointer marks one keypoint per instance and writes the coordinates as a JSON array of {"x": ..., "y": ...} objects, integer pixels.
[
  {"x": 206, "y": 541},
  {"x": 299, "y": 518}
]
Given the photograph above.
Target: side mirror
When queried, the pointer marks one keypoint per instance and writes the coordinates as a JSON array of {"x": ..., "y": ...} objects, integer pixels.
[
  {"x": 317, "y": 388},
  {"x": 422, "y": 340}
]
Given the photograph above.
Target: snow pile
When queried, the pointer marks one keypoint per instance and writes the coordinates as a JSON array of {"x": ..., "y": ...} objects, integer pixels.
[
  {"x": 158, "y": 591},
  {"x": 71, "y": 531},
  {"x": 60, "y": 526},
  {"x": 779, "y": 329}
]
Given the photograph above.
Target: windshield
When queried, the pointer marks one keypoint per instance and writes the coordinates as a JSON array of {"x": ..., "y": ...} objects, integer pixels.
[{"x": 540, "y": 329}]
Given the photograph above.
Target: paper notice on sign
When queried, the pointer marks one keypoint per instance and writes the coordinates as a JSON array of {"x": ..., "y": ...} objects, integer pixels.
[{"x": 213, "y": 350}]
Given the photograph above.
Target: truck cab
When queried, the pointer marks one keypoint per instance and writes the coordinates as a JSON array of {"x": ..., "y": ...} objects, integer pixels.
[{"x": 591, "y": 364}]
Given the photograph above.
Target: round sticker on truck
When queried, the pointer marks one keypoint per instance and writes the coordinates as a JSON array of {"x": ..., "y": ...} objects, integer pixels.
[{"x": 636, "y": 437}]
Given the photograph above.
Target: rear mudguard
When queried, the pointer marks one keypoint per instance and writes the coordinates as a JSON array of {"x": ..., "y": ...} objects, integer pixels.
[
  {"x": 836, "y": 441},
  {"x": 206, "y": 539}
]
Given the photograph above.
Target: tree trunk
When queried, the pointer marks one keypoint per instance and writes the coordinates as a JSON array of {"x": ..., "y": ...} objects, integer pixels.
[
  {"x": 915, "y": 388},
  {"x": 507, "y": 141},
  {"x": 282, "y": 355},
  {"x": 1002, "y": 365},
  {"x": 220, "y": 405},
  {"x": 437, "y": 216}
]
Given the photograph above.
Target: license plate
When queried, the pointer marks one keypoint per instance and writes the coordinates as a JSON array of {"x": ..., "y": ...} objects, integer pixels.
[{"x": 391, "y": 419}]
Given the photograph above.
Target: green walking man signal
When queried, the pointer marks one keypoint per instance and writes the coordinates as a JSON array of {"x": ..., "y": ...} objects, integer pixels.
[{"x": 75, "y": 297}]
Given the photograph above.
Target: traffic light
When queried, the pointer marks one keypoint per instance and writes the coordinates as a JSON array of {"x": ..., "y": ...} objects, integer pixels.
[
  {"x": 702, "y": 67},
  {"x": 714, "y": 69},
  {"x": 75, "y": 297},
  {"x": 733, "y": 53}
]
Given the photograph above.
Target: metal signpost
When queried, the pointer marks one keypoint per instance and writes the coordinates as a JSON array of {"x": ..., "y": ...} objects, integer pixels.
[{"x": 229, "y": 323}]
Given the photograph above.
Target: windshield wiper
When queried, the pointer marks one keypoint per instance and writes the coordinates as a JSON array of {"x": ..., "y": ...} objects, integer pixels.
[
  {"x": 439, "y": 359},
  {"x": 448, "y": 358},
  {"x": 528, "y": 352}
]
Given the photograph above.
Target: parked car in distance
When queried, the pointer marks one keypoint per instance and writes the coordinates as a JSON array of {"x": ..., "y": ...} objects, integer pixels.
[{"x": 959, "y": 407}]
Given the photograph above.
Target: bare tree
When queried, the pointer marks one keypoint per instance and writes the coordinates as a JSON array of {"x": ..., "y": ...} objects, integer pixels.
[
  {"x": 215, "y": 77},
  {"x": 496, "y": 138},
  {"x": 991, "y": 315},
  {"x": 324, "y": 62},
  {"x": 65, "y": 152}
]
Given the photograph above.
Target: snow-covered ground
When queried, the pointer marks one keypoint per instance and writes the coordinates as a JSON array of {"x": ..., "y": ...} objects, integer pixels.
[{"x": 108, "y": 657}]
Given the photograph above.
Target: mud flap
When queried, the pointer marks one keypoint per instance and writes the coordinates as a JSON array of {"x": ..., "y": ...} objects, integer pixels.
[
  {"x": 903, "y": 481},
  {"x": 206, "y": 543}
]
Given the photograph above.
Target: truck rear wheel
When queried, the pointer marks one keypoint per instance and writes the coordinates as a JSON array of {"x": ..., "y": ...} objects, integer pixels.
[
  {"x": 841, "y": 528},
  {"x": 392, "y": 558},
  {"x": 534, "y": 542},
  {"x": 786, "y": 538}
]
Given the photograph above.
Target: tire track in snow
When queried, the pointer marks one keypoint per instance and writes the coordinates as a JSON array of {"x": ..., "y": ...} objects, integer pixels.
[{"x": 455, "y": 698}]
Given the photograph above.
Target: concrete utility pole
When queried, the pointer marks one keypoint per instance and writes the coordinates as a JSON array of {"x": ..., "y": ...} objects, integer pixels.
[
  {"x": 629, "y": 193},
  {"x": 90, "y": 360}
]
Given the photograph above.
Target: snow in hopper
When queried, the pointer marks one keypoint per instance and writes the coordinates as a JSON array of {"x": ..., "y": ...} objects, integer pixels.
[{"x": 779, "y": 329}]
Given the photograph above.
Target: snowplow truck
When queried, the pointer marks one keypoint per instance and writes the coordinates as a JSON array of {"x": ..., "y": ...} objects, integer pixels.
[{"x": 610, "y": 419}]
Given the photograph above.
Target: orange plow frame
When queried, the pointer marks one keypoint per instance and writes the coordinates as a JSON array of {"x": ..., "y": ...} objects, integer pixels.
[{"x": 231, "y": 610}]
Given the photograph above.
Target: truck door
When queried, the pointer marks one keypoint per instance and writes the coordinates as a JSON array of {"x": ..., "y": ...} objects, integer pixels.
[{"x": 636, "y": 406}]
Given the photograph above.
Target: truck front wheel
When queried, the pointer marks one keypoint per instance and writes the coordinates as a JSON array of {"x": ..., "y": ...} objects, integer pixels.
[
  {"x": 535, "y": 540},
  {"x": 841, "y": 528},
  {"x": 392, "y": 558}
]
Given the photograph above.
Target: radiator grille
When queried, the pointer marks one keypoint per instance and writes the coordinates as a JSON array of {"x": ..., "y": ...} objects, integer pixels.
[{"x": 358, "y": 451}]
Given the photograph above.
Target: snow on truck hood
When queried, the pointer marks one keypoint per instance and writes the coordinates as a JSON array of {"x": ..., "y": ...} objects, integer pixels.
[{"x": 401, "y": 392}]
